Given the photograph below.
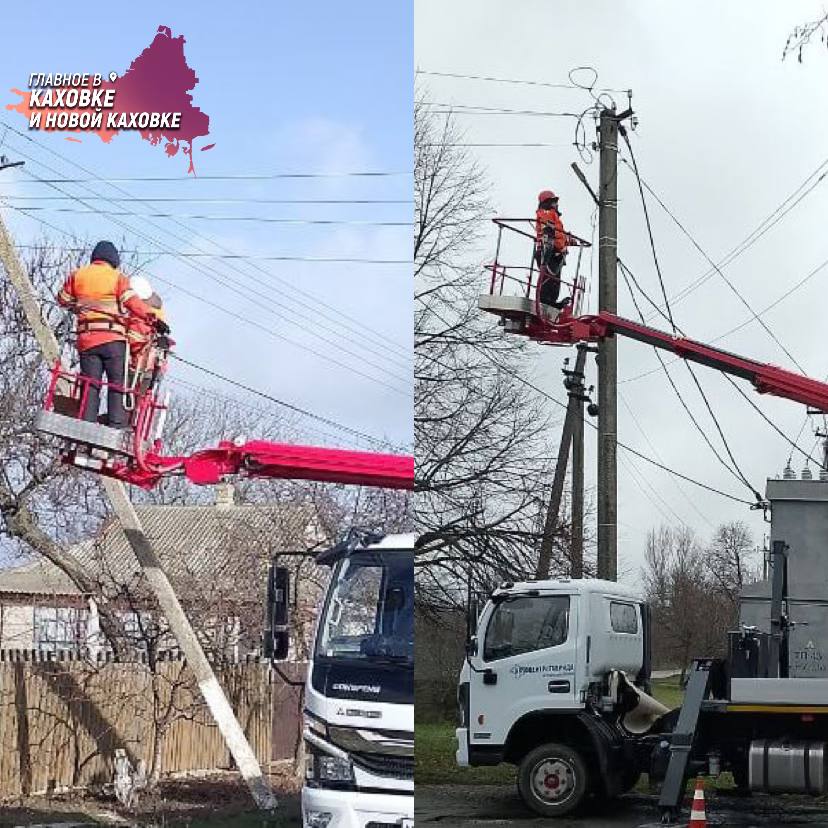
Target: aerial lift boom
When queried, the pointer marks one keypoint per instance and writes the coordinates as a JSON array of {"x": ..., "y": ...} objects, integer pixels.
[{"x": 513, "y": 298}]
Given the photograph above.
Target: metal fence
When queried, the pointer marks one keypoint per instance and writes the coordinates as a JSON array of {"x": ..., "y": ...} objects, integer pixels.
[{"x": 62, "y": 716}]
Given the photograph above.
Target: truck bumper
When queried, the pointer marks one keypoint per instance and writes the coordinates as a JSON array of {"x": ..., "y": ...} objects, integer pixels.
[
  {"x": 353, "y": 809},
  {"x": 462, "y": 754}
]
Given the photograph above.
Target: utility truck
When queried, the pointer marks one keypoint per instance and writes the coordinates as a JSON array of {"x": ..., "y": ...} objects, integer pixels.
[
  {"x": 556, "y": 682},
  {"x": 359, "y": 692},
  {"x": 557, "y": 672}
]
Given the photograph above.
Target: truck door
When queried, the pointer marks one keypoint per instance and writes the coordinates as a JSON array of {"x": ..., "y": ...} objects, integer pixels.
[{"x": 525, "y": 661}]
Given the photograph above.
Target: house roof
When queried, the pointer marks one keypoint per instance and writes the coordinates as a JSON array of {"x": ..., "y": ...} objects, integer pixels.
[{"x": 214, "y": 545}]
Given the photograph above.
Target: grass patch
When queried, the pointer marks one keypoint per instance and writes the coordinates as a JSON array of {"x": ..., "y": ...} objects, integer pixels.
[
  {"x": 434, "y": 749},
  {"x": 435, "y": 746},
  {"x": 668, "y": 691}
]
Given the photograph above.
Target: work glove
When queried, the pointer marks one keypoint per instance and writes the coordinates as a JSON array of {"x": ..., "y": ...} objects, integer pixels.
[{"x": 162, "y": 327}]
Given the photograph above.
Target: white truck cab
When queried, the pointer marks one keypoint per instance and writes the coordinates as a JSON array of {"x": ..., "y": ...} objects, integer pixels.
[
  {"x": 542, "y": 684},
  {"x": 359, "y": 694}
]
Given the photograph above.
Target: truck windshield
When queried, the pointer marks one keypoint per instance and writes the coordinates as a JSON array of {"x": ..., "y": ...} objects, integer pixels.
[
  {"x": 526, "y": 623},
  {"x": 369, "y": 613}
]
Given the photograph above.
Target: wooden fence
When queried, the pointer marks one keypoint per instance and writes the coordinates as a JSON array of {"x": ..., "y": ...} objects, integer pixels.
[{"x": 63, "y": 716}]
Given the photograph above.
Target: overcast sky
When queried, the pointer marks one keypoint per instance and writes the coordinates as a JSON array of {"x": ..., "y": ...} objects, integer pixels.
[
  {"x": 288, "y": 88},
  {"x": 727, "y": 131}
]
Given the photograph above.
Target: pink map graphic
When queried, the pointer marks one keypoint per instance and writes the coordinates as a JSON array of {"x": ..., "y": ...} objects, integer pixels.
[{"x": 158, "y": 80}]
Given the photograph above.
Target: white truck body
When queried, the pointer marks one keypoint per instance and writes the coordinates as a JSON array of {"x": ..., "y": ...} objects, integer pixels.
[
  {"x": 599, "y": 629},
  {"x": 359, "y": 697}
]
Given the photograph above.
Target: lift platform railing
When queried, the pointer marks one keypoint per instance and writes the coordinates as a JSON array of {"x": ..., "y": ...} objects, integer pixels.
[
  {"x": 514, "y": 289},
  {"x": 68, "y": 394}
]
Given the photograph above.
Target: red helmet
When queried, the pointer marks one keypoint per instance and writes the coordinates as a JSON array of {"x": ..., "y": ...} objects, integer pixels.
[{"x": 545, "y": 194}]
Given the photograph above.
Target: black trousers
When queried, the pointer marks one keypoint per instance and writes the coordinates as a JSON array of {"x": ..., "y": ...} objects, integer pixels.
[
  {"x": 108, "y": 360},
  {"x": 550, "y": 265}
]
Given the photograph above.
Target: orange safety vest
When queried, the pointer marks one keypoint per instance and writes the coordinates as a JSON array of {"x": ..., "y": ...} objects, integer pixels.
[
  {"x": 101, "y": 297},
  {"x": 139, "y": 331},
  {"x": 544, "y": 217}
]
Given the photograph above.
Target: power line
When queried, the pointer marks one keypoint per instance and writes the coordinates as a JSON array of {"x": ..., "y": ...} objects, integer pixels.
[
  {"x": 804, "y": 280},
  {"x": 468, "y": 109},
  {"x": 592, "y": 425},
  {"x": 257, "y": 299},
  {"x": 710, "y": 261},
  {"x": 341, "y": 317},
  {"x": 516, "y": 81},
  {"x": 733, "y": 471},
  {"x": 240, "y": 177},
  {"x": 178, "y": 254},
  {"x": 244, "y": 319},
  {"x": 739, "y": 473},
  {"x": 235, "y": 200},
  {"x": 261, "y": 219},
  {"x": 281, "y": 403},
  {"x": 788, "y": 204}
]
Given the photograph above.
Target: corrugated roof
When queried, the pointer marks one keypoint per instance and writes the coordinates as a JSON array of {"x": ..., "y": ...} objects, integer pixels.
[{"x": 218, "y": 545}]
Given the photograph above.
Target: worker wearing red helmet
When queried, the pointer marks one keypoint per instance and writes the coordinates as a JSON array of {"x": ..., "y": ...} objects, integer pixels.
[
  {"x": 101, "y": 297},
  {"x": 551, "y": 241}
]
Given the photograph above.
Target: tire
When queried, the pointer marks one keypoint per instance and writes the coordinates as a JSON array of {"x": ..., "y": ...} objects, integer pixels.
[{"x": 552, "y": 780}]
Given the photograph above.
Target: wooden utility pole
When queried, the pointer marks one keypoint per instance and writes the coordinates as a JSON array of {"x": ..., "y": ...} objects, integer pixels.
[
  {"x": 576, "y": 541},
  {"x": 574, "y": 384},
  {"x": 607, "y": 564},
  {"x": 211, "y": 690}
]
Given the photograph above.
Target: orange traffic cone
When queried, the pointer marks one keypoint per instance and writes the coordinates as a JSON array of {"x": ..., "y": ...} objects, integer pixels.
[{"x": 698, "y": 818}]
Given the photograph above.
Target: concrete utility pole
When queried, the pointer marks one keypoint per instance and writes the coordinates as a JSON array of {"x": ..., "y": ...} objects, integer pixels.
[
  {"x": 576, "y": 543},
  {"x": 607, "y": 349},
  {"x": 211, "y": 690},
  {"x": 574, "y": 384}
]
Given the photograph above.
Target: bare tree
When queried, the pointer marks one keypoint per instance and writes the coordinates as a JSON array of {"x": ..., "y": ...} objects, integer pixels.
[
  {"x": 693, "y": 589},
  {"x": 731, "y": 561},
  {"x": 482, "y": 436}
]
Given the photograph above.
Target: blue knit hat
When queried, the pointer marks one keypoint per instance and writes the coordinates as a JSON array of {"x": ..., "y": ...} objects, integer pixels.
[{"x": 105, "y": 251}]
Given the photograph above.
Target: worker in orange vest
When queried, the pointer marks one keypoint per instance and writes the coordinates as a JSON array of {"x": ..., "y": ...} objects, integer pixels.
[
  {"x": 101, "y": 297},
  {"x": 551, "y": 242},
  {"x": 142, "y": 336}
]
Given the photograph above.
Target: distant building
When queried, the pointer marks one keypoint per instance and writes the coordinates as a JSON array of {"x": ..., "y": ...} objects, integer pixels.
[{"x": 216, "y": 557}]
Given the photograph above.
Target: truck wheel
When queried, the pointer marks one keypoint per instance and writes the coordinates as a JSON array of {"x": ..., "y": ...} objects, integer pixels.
[{"x": 552, "y": 780}]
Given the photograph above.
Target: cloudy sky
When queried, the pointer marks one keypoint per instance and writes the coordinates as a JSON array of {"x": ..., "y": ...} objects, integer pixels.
[
  {"x": 727, "y": 132},
  {"x": 289, "y": 88}
]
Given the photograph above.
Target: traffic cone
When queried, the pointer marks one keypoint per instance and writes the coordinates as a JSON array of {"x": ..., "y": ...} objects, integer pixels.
[{"x": 698, "y": 818}]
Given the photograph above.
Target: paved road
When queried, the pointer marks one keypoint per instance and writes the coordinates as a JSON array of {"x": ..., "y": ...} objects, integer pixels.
[{"x": 463, "y": 806}]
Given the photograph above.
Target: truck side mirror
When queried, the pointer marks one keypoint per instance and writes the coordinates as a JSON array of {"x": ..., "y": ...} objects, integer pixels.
[
  {"x": 277, "y": 633},
  {"x": 472, "y": 612}
]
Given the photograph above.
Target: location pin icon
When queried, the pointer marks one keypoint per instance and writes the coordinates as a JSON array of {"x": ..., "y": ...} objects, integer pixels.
[{"x": 113, "y": 76}]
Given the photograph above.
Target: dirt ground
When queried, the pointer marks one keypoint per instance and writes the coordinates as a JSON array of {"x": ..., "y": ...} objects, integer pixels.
[
  {"x": 212, "y": 801},
  {"x": 463, "y": 806}
]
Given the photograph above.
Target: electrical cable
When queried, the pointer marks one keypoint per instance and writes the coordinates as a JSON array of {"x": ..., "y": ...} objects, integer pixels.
[
  {"x": 179, "y": 200},
  {"x": 238, "y": 177},
  {"x": 281, "y": 403},
  {"x": 241, "y": 318},
  {"x": 736, "y": 468},
  {"x": 257, "y": 300},
  {"x": 178, "y": 254},
  {"x": 337, "y": 314},
  {"x": 199, "y": 217},
  {"x": 592, "y": 425},
  {"x": 710, "y": 261},
  {"x": 515, "y": 81}
]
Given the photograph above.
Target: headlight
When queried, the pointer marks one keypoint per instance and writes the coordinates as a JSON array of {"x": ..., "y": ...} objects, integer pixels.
[{"x": 334, "y": 769}]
